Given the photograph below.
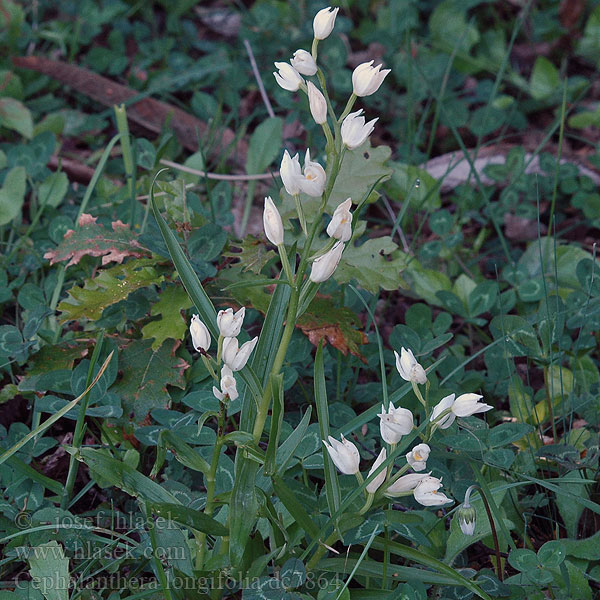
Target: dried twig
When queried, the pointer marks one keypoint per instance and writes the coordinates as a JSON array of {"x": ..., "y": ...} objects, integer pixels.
[{"x": 256, "y": 72}]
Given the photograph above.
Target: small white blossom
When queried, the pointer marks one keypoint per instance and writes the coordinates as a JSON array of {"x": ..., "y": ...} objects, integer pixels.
[
  {"x": 380, "y": 478},
  {"x": 324, "y": 266},
  {"x": 340, "y": 226},
  {"x": 354, "y": 129},
  {"x": 291, "y": 173},
  {"x": 406, "y": 483},
  {"x": 230, "y": 323},
  {"x": 272, "y": 223},
  {"x": 228, "y": 385},
  {"x": 366, "y": 79},
  {"x": 344, "y": 454},
  {"x": 443, "y": 405},
  {"x": 317, "y": 103},
  {"x": 468, "y": 404},
  {"x": 394, "y": 423},
  {"x": 304, "y": 63},
  {"x": 417, "y": 457},
  {"x": 409, "y": 368},
  {"x": 324, "y": 21},
  {"x": 234, "y": 356},
  {"x": 288, "y": 78},
  {"x": 200, "y": 335},
  {"x": 426, "y": 492},
  {"x": 313, "y": 182}
]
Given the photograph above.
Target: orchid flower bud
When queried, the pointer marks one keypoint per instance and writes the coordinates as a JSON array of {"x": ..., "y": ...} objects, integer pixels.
[
  {"x": 324, "y": 266},
  {"x": 409, "y": 368},
  {"x": 324, "y": 21},
  {"x": 200, "y": 335},
  {"x": 417, "y": 457},
  {"x": 366, "y": 79},
  {"x": 340, "y": 226},
  {"x": 317, "y": 103},
  {"x": 354, "y": 129},
  {"x": 344, "y": 454},
  {"x": 291, "y": 173},
  {"x": 288, "y": 78},
  {"x": 468, "y": 404},
  {"x": 234, "y": 356},
  {"x": 443, "y": 405},
  {"x": 406, "y": 483},
  {"x": 426, "y": 492},
  {"x": 313, "y": 182},
  {"x": 228, "y": 385},
  {"x": 394, "y": 423},
  {"x": 380, "y": 478},
  {"x": 230, "y": 323},
  {"x": 467, "y": 518},
  {"x": 272, "y": 223},
  {"x": 304, "y": 63}
]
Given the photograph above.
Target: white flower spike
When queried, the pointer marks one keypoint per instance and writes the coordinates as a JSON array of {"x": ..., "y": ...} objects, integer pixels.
[
  {"x": 394, "y": 423},
  {"x": 409, "y": 368},
  {"x": 380, "y": 478},
  {"x": 340, "y": 226},
  {"x": 426, "y": 492},
  {"x": 234, "y": 356},
  {"x": 417, "y": 457},
  {"x": 324, "y": 21},
  {"x": 272, "y": 223},
  {"x": 291, "y": 173},
  {"x": 200, "y": 335},
  {"x": 468, "y": 404},
  {"x": 288, "y": 78},
  {"x": 230, "y": 323},
  {"x": 406, "y": 483},
  {"x": 228, "y": 385},
  {"x": 366, "y": 79},
  {"x": 304, "y": 63},
  {"x": 354, "y": 129},
  {"x": 317, "y": 103},
  {"x": 443, "y": 405},
  {"x": 344, "y": 454},
  {"x": 313, "y": 182},
  {"x": 324, "y": 266}
]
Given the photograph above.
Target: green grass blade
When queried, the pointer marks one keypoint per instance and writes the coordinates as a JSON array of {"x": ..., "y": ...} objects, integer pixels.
[
  {"x": 55, "y": 417},
  {"x": 276, "y": 421},
  {"x": 295, "y": 508}
]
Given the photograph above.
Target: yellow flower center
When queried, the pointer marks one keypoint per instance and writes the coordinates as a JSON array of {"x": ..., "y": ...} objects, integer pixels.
[{"x": 417, "y": 456}]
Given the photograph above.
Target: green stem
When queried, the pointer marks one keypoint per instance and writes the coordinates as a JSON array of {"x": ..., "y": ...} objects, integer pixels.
[
  {"x": 286, "y": 263},
  {"x": 321, "y": 550},
  {"x": 300, "y": 212},
  {"x": 368, "y": 504},
  {"x": 418, "y": 394},
  {"x": 211, "y": 478},
  {"x": 348, "y": 108},
  {"x": 314, "y": 49},
  {"x": 499, "y": 569}
]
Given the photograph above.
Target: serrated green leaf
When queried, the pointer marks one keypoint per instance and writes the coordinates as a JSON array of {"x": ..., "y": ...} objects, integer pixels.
[
  {"x": 375, "y": 264},
  {"x": 146, "y": 374},
  {"x": 107, "y": 288},
  {"x": 173, "y": 299}
]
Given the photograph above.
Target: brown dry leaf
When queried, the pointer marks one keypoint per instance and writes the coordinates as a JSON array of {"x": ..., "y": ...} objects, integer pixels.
[
  {"x": 147, "y": 112},
  {"x": 92, "y": 239},
  {"x": 522, "y": 229},
  {"x": 336, "y": 326},
  {"x": 570, "y": 11}
]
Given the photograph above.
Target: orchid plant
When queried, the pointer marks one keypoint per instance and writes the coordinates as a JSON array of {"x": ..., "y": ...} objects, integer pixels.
[{"x": 306, "y": 263}]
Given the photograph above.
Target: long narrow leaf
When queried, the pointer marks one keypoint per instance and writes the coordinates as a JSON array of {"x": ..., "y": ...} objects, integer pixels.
[
  {"x": 332, "y": 486},
  {"x": 188, "y": 276},
  {"x": 287, "y": 449},
  {"x": 276, "y": 421},
  {"x": 295, "y": 508}
]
